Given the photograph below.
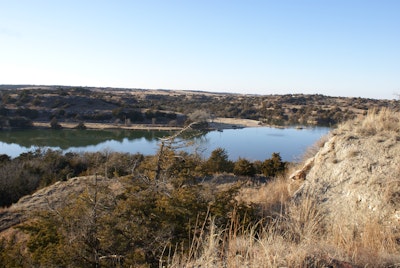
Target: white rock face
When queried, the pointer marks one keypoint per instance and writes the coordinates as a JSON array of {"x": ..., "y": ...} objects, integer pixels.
[{"x": 355, "y": 177}]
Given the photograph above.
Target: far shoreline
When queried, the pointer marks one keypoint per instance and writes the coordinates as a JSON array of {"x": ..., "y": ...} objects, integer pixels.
[{"x": 215, "y": 124}]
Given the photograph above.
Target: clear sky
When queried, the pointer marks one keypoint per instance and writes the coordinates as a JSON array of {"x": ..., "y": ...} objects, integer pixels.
[{"x": 330, "y": 47}]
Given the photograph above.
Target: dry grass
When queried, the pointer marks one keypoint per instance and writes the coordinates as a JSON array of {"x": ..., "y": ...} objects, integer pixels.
[
  {"x": 284, "y": 242},
  {"x": 313, "y": 149},
  {"x": 270, "y": 197},
  {"x": 303, "y": 220},
  {"x": 371, "y": 244},
  {"x": 376, "y": 121},
  {"x": 295, "y": 234},
  {"x": 226, "y": 248},
  {"x": 296, "y": 239},
  {"x": 391, "y": 193}
]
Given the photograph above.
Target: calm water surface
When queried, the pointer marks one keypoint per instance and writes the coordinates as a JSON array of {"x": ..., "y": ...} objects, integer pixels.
[{"x": 251, "y": 143}]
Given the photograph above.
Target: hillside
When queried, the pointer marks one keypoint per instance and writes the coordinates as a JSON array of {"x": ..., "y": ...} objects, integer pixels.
[
  {"x": 355, "y": 177},
  {"x": 339, "y": 209},
  {"x": 24, "y": 106}
]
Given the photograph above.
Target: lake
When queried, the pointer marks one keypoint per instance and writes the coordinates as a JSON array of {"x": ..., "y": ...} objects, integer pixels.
[{"x": 251, "y": 143}]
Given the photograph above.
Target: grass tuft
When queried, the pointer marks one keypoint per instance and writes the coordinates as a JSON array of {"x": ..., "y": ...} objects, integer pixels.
[{"x": 376, "y": 121}]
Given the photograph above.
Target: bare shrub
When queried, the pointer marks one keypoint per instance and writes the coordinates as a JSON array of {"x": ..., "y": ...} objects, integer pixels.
[{"x": 199, "y": 116}]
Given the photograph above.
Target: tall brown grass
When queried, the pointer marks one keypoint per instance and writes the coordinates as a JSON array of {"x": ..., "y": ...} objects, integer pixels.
[
  {"x": 270, "y": 197},
  {"x": 283, "y": 242},
  {"x": 297, "y": 238},
  {"x": 297, "y": 234},
  {"x": 376, "y": 121}
]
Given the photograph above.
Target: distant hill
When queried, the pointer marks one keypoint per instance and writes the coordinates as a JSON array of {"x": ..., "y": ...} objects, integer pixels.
[{"x": 172, "y": 107}]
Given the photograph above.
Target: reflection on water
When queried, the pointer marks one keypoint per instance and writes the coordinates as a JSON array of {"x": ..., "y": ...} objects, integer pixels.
[
  {"x": 260, "y": 142},
  {"x": 276, "y": 134},
  {"x": 65, "y": 139},
  {"x": 251, "y": 143}
]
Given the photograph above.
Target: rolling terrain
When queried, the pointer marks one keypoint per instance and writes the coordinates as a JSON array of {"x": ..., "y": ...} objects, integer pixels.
[{"x": 24, "y": 106}]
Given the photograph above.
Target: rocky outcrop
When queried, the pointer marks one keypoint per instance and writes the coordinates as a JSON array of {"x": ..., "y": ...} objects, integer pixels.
[
  {"x": 52, "y": 197},
  {"x": 301, "y": 174},
  {"x": 355, "y": 177}
]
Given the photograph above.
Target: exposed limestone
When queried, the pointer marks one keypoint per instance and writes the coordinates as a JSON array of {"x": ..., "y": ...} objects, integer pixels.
[
  {"x": 355, "y": 178},
  {"x": 301, "y": 174}
]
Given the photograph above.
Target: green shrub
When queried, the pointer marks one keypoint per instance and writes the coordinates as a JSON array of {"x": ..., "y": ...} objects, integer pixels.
[
  {"x": 244, "y": 167},
  {"x": 218, "y": 162},
  {"x": 273, "y": 166}
]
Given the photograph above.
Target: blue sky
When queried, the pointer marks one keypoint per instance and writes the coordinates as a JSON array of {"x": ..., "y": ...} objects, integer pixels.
[{"x": 330, "y": 47}]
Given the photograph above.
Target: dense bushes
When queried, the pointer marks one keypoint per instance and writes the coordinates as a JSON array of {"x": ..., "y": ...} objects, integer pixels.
[
  {"x": 15, "y": 122},
  {"x": 16, "y": 181},
  {"x": 218, "y": 162},
  {"x": 32, "y": 170}
]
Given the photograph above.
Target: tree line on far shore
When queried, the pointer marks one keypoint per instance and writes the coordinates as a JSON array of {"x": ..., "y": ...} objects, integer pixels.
[{"x": 20, "y": 107}]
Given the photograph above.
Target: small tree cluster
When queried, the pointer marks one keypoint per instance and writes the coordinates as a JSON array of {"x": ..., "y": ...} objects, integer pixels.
[
  {"x": 218, "y": 162},
  {"x": 244, "y": 167},
  {"x": 273, "y": 166}
]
